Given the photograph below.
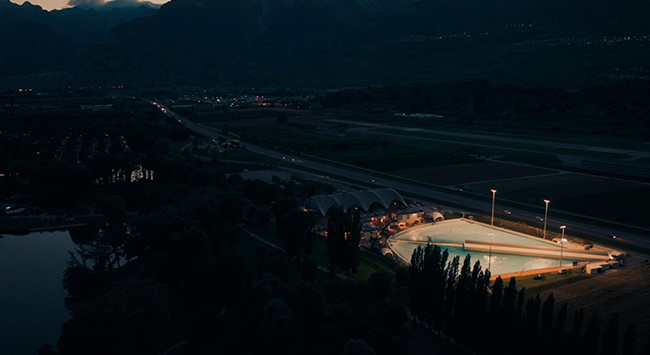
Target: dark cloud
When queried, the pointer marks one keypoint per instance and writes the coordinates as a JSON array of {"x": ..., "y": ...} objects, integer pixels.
[
  {"x": 103, "y": 4},
  {"x": 86, "y": 3}
]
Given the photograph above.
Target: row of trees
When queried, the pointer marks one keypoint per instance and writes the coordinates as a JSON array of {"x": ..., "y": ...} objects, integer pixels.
[
  {"x": 343, "y": 237},
  {"x": 463, "y": 305}
]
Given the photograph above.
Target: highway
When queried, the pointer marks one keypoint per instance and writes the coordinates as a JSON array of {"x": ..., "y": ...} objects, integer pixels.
[{"x": 436, "y": 197}]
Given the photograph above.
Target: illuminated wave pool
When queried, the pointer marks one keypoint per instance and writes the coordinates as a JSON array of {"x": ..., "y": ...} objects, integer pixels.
[{"x": 458, "y": 230}]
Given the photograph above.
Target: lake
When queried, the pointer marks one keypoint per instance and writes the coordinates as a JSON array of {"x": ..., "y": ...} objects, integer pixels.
[{"x": 31, "y": 291}]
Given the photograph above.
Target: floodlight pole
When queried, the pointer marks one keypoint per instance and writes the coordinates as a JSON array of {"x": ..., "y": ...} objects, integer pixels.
[
  {"x": 546, "y": 217},
  {"x": 490, "y": 257},
  {"x": 562, "y": 241},
  {"x": 494, "y": 193}
]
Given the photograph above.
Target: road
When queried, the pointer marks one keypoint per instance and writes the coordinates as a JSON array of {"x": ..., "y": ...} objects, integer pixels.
[{"x": 438, "y": 197}]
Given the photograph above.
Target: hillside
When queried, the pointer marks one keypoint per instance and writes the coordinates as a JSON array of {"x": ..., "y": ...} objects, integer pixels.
[
  {"x": 329, "y": 43},
  {"x": 624, "y": 291}
]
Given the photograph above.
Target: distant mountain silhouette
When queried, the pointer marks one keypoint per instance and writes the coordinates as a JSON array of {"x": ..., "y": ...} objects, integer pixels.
[
  {"x": 33, "y": 40},
  {"x": 306, "y": 42},
  {"x": 223, "y": 40}
]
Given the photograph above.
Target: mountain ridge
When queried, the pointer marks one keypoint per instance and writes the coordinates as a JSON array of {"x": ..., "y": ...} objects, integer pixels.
[{"x": 363, "y": 42}]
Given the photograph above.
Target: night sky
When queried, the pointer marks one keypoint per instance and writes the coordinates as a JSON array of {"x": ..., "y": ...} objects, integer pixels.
[{"x": 59, "y": 4}]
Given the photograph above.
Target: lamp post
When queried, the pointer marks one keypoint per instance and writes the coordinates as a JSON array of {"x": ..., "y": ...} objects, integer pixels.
[
  {"x": 490, "y": 257},
  {"x": 545, "y": 217},
  {"x": 562, "y": 241},
  {"x": 494, "y": 193}
]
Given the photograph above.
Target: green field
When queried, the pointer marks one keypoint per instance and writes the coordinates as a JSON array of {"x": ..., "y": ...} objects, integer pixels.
[
  {"x": 468, "y": 173},
  {"x": 395, "y": 159},
  {"x": 606, "y": 198},
  {"x": 503, "y": 144}
]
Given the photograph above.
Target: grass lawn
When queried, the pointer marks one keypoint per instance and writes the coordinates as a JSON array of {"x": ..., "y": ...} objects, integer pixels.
[
  {"x": 549, "y": 281},
  {"x": 371, "y": 262},
  {"x": 319, "y": 253},
  {"x": 624, "y": 291}
]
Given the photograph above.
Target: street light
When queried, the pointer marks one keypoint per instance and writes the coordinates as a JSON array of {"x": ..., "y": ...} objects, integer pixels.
[
  {"x": 562, "y": 241},
  {"x": 490, "y": 257},
  {"x": 494, "y": 193},
  {"x": 545, "y": 217}
]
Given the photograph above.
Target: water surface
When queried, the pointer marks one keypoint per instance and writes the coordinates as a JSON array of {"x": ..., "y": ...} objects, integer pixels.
[{"x": 31, "y": 292}]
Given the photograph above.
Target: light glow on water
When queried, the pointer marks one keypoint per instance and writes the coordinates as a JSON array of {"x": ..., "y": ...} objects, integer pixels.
[{"x": 457, "y": 231}]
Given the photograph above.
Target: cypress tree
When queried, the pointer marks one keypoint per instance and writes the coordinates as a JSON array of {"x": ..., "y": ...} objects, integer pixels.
[
  {"x": 343, "y": 237},
  {"x": 517, "y": 331},
  {"x": 610, "y": 338},
  {"x": 509, "y": 304},
  {"x": 519, "y": 310},
  {"x": 558, "y": 332},
  {"x": 465, "y": 275},
  {"x": 481, "y": 303},
  {"x": 576, "y": 330},
  {"x": 440, "y": 281},
  {"x": 531, "y": 319},
  {"x": 450, "y": 295},
  {"x": 592, "y": 334},
  {"x": 352, "y": 255},
  {"x": 415, "y": 283},
  {"x": 431, "y": 271},
  {"x": 474, "y": 315},
  {"x": 462, "y": 294},
  {"x": 496, "y": 314},
  {"x": 476, "y": 274},
  {"x": 335, "y": 236},
  {"x": 497, "y": 298},
  {"x": 547, "y": 316},
  {"x": 629, "y": 341},
  {"x": 646, "y": 348}
]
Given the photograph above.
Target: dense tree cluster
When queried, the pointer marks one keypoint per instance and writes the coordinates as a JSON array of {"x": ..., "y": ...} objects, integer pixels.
[
  {"x": 55, "y": 157},
  {"x": 343, "y": 237}
]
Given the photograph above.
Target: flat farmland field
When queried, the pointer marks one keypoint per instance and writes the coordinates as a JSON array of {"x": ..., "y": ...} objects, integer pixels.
[
  {"x": 601, "y": 197},
  {"x": 393, "y": 158},
  {"x": 469, "y": 173}
]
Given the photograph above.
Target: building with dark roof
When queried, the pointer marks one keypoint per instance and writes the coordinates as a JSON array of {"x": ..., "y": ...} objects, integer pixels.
[{"x": 361, "y": 199}]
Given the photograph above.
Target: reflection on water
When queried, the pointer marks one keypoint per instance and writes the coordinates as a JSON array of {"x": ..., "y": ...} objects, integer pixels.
[{"x": 31, "y": 292}]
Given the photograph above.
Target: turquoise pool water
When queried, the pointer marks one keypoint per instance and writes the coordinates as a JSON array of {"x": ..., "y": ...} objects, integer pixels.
[{"x": 457, "y": 231}]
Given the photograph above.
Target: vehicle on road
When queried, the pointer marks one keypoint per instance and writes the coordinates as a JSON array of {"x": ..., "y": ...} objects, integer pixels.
[
  {"x": 539, "y": 218},
  {"x": 611, "y": 236},
  {"x": 507, "y": 212}
]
